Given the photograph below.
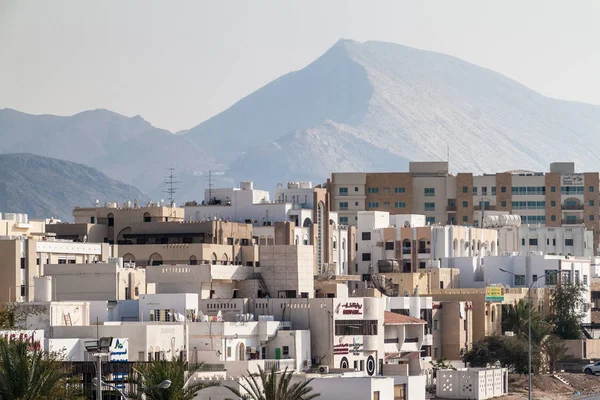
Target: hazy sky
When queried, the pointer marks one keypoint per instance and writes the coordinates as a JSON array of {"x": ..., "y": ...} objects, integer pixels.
[{"x": 179, "y": 63}]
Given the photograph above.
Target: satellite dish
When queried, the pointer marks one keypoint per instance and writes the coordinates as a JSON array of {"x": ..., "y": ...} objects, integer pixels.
[{"x": 407, "y": 224}]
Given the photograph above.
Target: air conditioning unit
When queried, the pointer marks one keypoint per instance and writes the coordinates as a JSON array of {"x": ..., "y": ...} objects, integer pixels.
[
  {"x": 323, "y": 369},
  {"x": 250, "y": 350}
]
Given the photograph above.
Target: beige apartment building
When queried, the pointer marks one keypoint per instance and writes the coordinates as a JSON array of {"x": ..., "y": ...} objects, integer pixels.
[
  {"x": 561, "y": 197},
  {"x": 25, "y": 248}
]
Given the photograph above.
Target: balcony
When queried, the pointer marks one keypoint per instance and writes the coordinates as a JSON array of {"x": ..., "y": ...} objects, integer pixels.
[
  {"x": 487, "y": 208},
  {"x": 424, "y": 251},
  {"x": 572, "y": 221},
  {"x": 451, "y": 208},
  {"x": 572, "y": 207},
  {"x": 406, "y": 250}
]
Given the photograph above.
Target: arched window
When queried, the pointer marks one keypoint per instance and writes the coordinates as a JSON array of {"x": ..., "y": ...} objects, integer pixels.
[
  {"x": 193, "y": 260},
  {"x": 214, "y": 259},
  {"x": 224, "y": 259},
  {"x": 334, "y": 243},
  {"x": 241, "y": 352},
  {"x": 147, "y": 217},
  {"x": 155, "y": 259},
  {"x": 111, "y": 219}
]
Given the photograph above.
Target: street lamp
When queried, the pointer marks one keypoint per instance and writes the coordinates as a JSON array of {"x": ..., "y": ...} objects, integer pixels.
[
  {"x": 163, "y": 385},
  {"x": 529, "y": 322},
  {"x": 99, "y": 348}
]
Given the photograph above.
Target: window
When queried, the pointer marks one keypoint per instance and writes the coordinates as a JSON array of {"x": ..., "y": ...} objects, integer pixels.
[
  {"x": 92, "y": 220},
  {"x": 484, "y": 190},
  {"x": 591, "y": 189},
  {"x": 572, "y": 190},
  {"x": 389, "y": 245},
  {"x": 534, "y": 278},
  {"x": 422, "y": 264},
  {"x": 399, "y": 190},
  {"x": 523, "y": 242},
  {"x": 356, "y": 188},
  {"x": 503, "y": 189},
  {"x": 343, "y": 220},
  {"x": 553, "y": 203},
  {"x": 386, "y": 204},
  {"x": 343, "y": 191},
  {"x": 400, "y": 204},
  {"x": 591, "y": 203},
  {"x": 551, "y": 276},
  {"x": 429, "y": 206},
  {"x": 436, "y": 326},
  {"x": 591, "y": 217},
  {"x": 23, "y": 290},
  {"x": 355, "y": 205},
  {"x": 356, "y": 327},
  {"x": 474, "y": 190},
  {"x": 553, "y": 242},
  {"x": 372, "y": 190},
  {"x": 136, "y": 291},
  {"x": 585, "y": 280},
  {"x": 519, "y": 280},
  {"x": 430, "y": 220},
  {"x": 533, "y": 242},
  {"x": 553, "y": 218},
  {"x": 62, "y": 261},
  {"x": 343, "y": 205},
  {"x": 465, "y": 189},
  {"x": 568, "y": 242},
  {"x": 111, "y": 220},
  {"x": 465, "y": 218},
  {"x": 493, "y": 190},
  {"x": 285, "y": 351},
  {"x": 373, "y": 204},
  {"x": 576, "y": 276},
  {"x": 386, "y": 190},
  {"x": 24, "y": 262},
  {"x": 553, "y": 189},
  {"x": 429, "y": 192},
  {"x": 503, "y": 203},
  {"x": 366, "y": 236},
  {"x": 366, "y": 256},
  {"x": 465, "y": 204}
]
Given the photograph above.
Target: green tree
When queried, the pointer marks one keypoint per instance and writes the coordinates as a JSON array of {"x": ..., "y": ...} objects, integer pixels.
[
  {"x": 505, "y": 351},
  {"x": 270, "y": 386},
  {"x": 553, "y": 349},
  {"x": 442, "y": 363},
  {"x": 177, "y": 371},
  {"x": 30, "y": 374},
  {"x": 516, "y": 316},
  {"x": 566, "y": 303}
]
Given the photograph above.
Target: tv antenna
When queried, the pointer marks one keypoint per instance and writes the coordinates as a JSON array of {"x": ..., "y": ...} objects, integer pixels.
[
  {"x": 211, "y": 175},
  {"x": 170, "y": 181}
]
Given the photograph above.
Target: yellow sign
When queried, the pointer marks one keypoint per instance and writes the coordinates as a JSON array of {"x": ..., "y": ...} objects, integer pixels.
[{"x": 494, "y": 293}]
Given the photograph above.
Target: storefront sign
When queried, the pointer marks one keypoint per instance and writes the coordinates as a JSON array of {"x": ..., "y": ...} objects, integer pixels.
[
  {"x": 119, "y": 350},
  {"x": 494, "y": 293},
  {"x": 34, "y": 339},
  {"x": 352, "y": 309}
]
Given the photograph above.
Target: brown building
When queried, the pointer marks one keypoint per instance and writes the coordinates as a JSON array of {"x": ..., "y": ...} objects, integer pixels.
[{"x": 560, "y": 197}]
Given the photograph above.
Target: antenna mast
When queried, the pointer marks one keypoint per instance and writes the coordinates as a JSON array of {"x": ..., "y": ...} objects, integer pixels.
[{"x": 170, "y": 182}]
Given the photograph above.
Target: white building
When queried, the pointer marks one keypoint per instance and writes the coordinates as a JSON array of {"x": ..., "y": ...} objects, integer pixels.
[
  {"x": 168, "y": 307},
  {"x": 287, "y": 271},
  {"x": 574, "y": 240},
  {"x": 476, "y": 272},
  {"x": 395, "y": 244}
]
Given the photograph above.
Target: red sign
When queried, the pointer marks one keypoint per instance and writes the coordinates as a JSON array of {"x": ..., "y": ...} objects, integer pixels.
[
  {"x": 23, "y": 337},
  {"x": 352, "y": 309},
  {"x": 341, "y": 349}
]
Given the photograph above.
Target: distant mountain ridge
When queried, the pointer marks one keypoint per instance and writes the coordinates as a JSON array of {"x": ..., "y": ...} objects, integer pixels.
[
  {"x": 45, "y": 187},
  {"x": 369, "y": 106}
]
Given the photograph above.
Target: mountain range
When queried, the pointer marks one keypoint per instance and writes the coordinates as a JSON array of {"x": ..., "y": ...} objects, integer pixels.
[
  {"x": 49, "y": 188},
  {"x": 369, "y": 106}
]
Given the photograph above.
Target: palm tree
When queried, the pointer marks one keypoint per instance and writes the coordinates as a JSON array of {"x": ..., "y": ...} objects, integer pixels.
[
  {"x": 177, "y": 371},
  {"x": 554, "y": 349},
  {"x": 515, "y": 317},
  {"x": 28, "y": 373},
  {"x": 269, "y": 387}
]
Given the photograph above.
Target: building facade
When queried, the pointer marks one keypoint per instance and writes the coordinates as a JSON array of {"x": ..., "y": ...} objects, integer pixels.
[{"x": 561, "y": 197}]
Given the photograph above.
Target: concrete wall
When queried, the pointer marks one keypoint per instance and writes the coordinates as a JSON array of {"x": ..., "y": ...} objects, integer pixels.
[{"x": 288, "y": 268}]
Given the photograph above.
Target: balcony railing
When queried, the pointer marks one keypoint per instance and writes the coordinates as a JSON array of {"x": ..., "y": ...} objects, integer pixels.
[
  {"x": 406, "y": 250},
  {"x": 451, "y": 208},
  {"x": 487, "y": 208},
  {"x": 576, "y": 207},
  {"x": 572, "y": 221},
  {"x": 424, "y": 251},
  {"x": 394, "y": 340}
]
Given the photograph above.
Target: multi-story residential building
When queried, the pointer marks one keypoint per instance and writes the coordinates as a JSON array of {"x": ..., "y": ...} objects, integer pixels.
[
  {"x": 557, "y": 198},
  {"x": 403, "y": 243},
  {"x": 27, "y": 248},
  {"x": 575, "y": 241}
]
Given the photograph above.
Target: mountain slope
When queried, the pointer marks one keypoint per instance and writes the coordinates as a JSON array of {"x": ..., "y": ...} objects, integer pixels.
[
  {"x": 128, "y": 149},
  {"x": 45, "y": 187},
  {"x": 408, "y": 103}
]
